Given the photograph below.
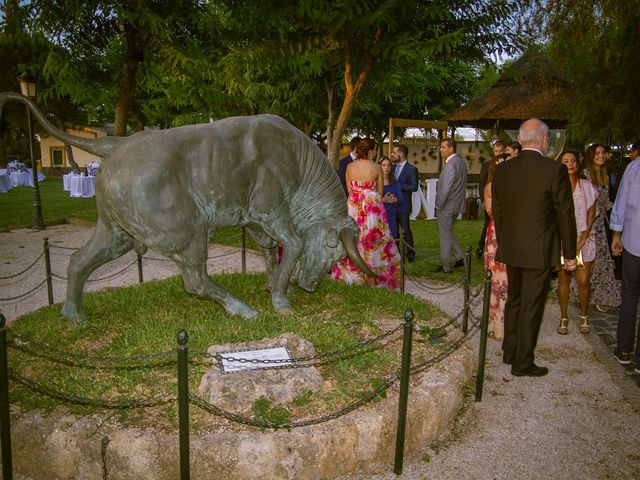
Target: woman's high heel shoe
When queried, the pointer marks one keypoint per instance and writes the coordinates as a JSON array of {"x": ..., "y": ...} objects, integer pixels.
[
  {"x": 563, "y": 328},
  {"x": 584, "y": 324}
]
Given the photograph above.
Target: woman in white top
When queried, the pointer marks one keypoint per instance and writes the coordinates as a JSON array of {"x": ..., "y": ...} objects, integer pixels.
[{"x": 584, "y": 201}]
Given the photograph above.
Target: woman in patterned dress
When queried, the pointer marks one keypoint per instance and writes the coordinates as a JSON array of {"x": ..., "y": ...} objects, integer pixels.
[
  {"x": 584, "y": 201},
  {"x": 604, "y": 290},
  {"x": 498, "y": 270},
  {"x": 365, "y": 185}
]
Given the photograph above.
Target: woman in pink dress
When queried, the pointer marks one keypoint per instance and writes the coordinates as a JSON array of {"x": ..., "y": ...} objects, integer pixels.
[
  {"x": 498, "y": 270},
  {"x": 365, "y": 185},
  {"x": 584, "y": 202}
]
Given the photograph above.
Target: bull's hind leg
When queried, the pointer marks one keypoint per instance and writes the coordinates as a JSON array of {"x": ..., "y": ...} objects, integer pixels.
[
  {"x": 193, "y": 265},
  {"x": 107, "y": 243},
  {"x": 269, "y": 249}
]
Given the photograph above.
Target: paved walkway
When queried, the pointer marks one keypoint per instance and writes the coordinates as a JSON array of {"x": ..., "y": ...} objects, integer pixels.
[{"x": 603, "y": 327}]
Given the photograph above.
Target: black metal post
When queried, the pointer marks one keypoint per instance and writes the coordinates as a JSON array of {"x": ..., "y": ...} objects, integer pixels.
[
  {"x": 183, "y": 404},
  {"x": 38, "y": 223},
  {"x": 243, "y": 249},
  {"x": 140, "y": 276},
  {"x": 484, "y": 327},
  {"x": 402, "y": 257},
  {"x": 47, "y": 267},
  {"x": 467, "y": 288},
  {"x": 5, "y": 419},
  {"x": 404, "y": 391}
]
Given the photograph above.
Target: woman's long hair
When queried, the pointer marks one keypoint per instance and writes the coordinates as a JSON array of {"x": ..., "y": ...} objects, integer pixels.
[
  {"x": 597, "y": 173},
  {"x": 392, "y": 177},
  {"x": 364, "y": 145},
  {"x": 579, "y": 161}
]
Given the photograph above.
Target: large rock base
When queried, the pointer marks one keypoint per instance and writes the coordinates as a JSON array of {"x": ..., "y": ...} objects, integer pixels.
[{"x": 66, "y": 447}]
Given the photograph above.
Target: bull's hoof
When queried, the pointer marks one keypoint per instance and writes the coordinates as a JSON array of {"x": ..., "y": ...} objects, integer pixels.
[
  {"x": 241, "y": 309},
  {"x": 282, "y": 305},
  {"x": 78, "y": 323},
  {"x": 75, "y": 320}
]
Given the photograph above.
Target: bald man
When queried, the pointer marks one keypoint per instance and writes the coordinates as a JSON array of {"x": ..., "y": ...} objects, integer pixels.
[{"x": 533, "y": 214}]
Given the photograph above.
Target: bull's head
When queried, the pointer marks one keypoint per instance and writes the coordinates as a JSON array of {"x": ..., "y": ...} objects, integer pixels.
[{"x": 325, "y": 245}]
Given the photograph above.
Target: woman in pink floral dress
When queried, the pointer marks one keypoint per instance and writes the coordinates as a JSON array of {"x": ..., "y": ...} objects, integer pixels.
[
  {"x": 498, "y": 270},
  {"x": 376, "y": 246}
]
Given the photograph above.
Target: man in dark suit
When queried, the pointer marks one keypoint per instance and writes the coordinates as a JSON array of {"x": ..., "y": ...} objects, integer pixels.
[
  {"x": 533, "y": 213},
  {"x": 407, "y": 176},
  {"x": 342, "y": 165},
  {"x": 451, "y": 194}
]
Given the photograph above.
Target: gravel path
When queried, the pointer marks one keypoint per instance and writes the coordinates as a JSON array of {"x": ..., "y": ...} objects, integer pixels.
[{"x": 573, "y": 423}]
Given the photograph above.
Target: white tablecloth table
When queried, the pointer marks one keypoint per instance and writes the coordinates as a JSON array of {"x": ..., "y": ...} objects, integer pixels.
[
  {"x": 6, "y": 183},
  {"x": 81, "y": 186},
  {"x": 66, "y": 181},
  {"x": 21, "y": 179}
]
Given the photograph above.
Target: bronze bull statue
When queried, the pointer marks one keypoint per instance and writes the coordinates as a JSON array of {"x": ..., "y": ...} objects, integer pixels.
[{"x": 169, "y": 190}]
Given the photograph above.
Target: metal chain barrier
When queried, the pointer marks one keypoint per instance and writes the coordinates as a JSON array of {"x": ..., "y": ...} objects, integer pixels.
[
  {"x": 60, "y": 247},
  {"x": 236, "y": 418},
  {"x": 24, "y": 295},
  {"x": 165, "y": 358},
  {"x": 448, "y": 350},
  {"x": 433, "y": 288},
  {"x": 17, "y": 274},
  {"x": 101, "y": 279},
  {"x": 40, "y": 349},
  {"x": 66, "y": 397},
  {"x": 309, "y": 361}
]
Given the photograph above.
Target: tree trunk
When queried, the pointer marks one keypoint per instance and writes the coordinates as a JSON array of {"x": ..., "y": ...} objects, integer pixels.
[
  {"x": 331, "y": 154},
  {"x": 127, "y": 85},
  {"x": 334, "y": 132}
]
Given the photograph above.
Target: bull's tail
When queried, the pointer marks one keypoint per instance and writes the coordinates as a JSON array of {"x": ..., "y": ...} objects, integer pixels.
[{"x": 98, "y": 146}]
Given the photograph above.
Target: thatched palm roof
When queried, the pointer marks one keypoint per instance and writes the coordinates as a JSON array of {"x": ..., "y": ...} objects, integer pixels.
[{"x": 530, "y": 87}]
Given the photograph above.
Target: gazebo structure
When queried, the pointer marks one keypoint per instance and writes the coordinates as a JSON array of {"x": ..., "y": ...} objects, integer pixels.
[{"x": 531, "y": 87}]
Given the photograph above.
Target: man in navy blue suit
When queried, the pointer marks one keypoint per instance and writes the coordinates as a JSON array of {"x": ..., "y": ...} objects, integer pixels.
[
  {"x": 342, "y": 165},
  {"x": 407, "y": 176}
]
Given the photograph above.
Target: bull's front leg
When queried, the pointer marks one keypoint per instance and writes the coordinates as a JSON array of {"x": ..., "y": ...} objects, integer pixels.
[
  {"x": 280, "y": 281},
  {"x": 107, "y": 243}
]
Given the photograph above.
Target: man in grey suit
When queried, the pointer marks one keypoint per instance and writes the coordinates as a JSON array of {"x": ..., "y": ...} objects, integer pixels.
[{"x": 450, "y": 202}]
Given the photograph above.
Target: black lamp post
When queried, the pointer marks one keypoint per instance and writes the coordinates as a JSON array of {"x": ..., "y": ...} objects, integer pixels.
[{"x": 28, "y": 89}]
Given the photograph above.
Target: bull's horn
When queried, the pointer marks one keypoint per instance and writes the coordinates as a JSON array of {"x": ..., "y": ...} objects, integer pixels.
[{"x": 348, "y": 240}]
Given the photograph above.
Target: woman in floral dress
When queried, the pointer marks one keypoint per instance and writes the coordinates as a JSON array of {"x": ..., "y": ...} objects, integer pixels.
[
  {"x": 498, "y": 270},
  {"x": 376, "y": 246},
  {"x": 604, "y": 290}
]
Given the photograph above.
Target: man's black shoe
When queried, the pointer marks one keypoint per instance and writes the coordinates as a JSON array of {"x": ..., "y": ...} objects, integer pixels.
[
  {"x": 478, "y": 252},
  {"x": 531, "y": 371},
  {"x": 459, "y": 263}
]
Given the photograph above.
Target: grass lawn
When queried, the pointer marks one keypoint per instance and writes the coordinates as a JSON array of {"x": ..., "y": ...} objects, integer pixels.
[
  {"x": 144, "y": 319},
  {"x": 17, "y": 206},
  {"x": 17, "y": 212}
]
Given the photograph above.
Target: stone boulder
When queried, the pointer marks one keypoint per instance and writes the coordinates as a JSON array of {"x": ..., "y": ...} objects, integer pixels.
[{"x": 237, "y": 391}]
